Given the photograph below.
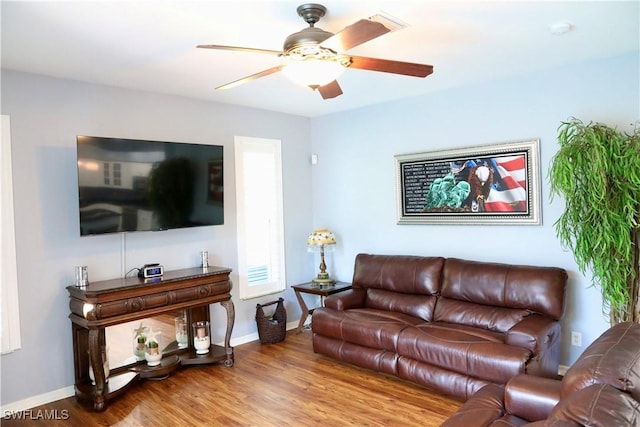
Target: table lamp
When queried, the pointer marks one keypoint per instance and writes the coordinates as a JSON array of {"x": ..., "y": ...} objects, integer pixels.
[{"x": 317, "y": 242}]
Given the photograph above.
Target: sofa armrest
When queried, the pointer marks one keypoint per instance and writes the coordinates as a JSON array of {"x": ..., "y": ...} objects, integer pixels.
[
  {"x": 541, "y": 335},
  {"x": 481, "y": 410},
  {"x": 353, "y": 298},
  {"x": 531, "y": 397}
]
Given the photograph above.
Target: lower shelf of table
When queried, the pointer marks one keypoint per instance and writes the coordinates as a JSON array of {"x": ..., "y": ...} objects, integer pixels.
[
  {"x": 119, "y": 381},
  {"x": 167, "y": 364},
  {"x": 216, "y": 354}
]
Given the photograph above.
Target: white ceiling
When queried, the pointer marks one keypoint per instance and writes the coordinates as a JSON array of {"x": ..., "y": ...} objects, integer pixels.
[{"x": 150, "y": 45}]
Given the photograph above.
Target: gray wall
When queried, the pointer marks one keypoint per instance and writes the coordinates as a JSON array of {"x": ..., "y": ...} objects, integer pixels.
[
  {"x": 46, "y": 115},
  {"x": 354, "y": 181}
]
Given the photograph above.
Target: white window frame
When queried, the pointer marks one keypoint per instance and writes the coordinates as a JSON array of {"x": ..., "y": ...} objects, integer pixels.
[
  {"x": 271, "y": 275},
  {"x": 9, "y": 311}
]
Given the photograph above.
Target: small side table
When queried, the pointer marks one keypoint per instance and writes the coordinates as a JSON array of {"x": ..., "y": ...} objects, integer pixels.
[{"x": 316, "y": 289}]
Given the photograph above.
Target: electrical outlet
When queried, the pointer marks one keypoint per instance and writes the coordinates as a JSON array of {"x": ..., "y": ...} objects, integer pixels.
[{"x": 576, "y": 339}]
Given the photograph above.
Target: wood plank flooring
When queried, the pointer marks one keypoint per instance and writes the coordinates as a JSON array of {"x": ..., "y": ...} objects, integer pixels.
[{"x": 283, "y": 384}]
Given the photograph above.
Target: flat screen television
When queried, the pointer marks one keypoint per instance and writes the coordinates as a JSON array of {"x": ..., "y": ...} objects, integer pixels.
[{"x": 129, "y": 185}]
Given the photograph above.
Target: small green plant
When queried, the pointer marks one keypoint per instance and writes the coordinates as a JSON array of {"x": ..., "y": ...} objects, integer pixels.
[
  {"x": 597, "y": 171},
  {"x": 140, "y": 335},
  {"x": 140, "y": 332},
  {"x": 152, "y": 343}
]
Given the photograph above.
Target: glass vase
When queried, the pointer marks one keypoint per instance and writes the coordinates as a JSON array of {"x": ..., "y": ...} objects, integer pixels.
[
  {"x": 139, "y": 342},
  {"x": 182, "y": 337},
  {"x": 201, "y": 340}
]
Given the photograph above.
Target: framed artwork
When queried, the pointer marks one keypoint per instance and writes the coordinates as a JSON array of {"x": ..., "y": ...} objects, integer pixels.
[{"x": 492, "y": 184}]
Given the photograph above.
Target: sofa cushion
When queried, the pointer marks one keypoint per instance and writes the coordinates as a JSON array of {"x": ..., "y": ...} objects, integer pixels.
[
  {"x": 368, "y": 327},
  {"x": 498, "y": 319},
  {"x": 554, "y": 423},
  {"x": 611, "y": 359},
  {"x": 371, "y": 358},
  {"x": 471, "y": 351},
  {"x": 598, "y": 405},
  {"x": 539, "y": 289},
  {"x": 439, "y": 379},
  {"x": 419, "y": 306},
  {"x": 407, "y": 284}
]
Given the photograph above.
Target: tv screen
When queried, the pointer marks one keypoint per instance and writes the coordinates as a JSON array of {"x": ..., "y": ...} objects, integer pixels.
[{"x": 135, "y": 185}]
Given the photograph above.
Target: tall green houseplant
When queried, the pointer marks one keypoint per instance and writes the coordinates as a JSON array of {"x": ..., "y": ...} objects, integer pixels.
[{"x": 597, "y": 171}]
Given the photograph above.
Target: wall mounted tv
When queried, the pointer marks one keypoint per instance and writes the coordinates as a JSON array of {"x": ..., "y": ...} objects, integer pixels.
[{"x": 134, "y": 185}]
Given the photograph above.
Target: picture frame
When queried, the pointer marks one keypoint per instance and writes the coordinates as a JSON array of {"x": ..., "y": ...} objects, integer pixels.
[{"x": 495, "y": 184}]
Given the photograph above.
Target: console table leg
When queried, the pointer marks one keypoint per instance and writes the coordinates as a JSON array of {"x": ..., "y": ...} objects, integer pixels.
[
  {"x": 231, "y": 316},
  {"x": 97, "y": 365}
]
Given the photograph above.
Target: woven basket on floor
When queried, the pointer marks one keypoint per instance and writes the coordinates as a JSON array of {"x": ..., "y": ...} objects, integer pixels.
[{"x": 272, "y": 329}]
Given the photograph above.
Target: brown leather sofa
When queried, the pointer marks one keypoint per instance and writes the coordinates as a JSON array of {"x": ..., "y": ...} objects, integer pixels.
[
  {"x": 601, "y": 389},
  {"x": 448, "y": 324}
]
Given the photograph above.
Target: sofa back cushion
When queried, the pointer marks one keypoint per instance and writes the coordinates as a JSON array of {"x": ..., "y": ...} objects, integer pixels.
[
  {"x": 520, "y": 287},
  {"x": 402, "y": 283},
  {"x": 598, "y": 405},
  {"x": 613, "y": 358},
  {"x": 497, "y": 319}
]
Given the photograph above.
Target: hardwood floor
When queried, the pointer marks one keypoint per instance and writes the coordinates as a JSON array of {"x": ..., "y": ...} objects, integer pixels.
[{"x": 283, "y": 384}]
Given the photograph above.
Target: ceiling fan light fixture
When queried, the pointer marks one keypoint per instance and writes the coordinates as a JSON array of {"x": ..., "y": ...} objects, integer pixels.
[
  {"x": 312, "y": 72},
  {"x": 315, "y": 58}
]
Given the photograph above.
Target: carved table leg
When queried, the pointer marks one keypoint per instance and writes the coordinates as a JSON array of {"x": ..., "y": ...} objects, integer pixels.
[
  {"x": 97, "y": 365},
  {"x": 231, "y": 316}
]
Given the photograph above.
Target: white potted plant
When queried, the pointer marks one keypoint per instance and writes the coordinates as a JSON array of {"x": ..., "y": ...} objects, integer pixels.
[{"x": 153, "y": 352}]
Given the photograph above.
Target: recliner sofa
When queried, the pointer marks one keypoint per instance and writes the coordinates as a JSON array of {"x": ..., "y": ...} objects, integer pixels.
[
  {"x": 448, "y": 324},
  {"x": 602, "y": 388}
]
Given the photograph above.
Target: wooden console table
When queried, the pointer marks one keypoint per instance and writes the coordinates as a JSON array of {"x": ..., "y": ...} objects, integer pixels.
[{"x": 111, "y": 302}]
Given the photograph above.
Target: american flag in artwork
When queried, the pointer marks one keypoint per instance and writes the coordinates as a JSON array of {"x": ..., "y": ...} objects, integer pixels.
[{"x": 509, "y": 190}]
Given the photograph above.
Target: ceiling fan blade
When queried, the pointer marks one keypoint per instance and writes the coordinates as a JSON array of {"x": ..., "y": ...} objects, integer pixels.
[
  {"x": 388, "y": 66},
  {"x": 239, "y": 49},
  {"x": 330, "y": 90},
  {"x": 354, "y": 35},
  {"x": 251, "y": 77}
]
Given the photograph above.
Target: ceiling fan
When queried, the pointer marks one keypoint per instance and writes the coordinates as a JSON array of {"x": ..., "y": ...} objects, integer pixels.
[{"x": 314, "y": 57}]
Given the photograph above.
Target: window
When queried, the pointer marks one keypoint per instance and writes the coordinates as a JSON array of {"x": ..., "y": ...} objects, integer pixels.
[
  {"x": 114, "y": 169},
  {"x": 117, "y": 174},
  {"x": 10, "y": 325},
  {"x": 258, "y": 165}
]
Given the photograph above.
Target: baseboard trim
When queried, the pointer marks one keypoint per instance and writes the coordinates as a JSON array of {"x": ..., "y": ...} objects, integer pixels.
[
  {"x": 37, "y": 400},
  {"x": 69, "y": 391},
  {"x": 562, "y": 369}
]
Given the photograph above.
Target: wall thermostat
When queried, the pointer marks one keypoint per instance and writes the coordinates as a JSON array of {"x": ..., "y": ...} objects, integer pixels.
[{"x": 150, "y": 270}]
